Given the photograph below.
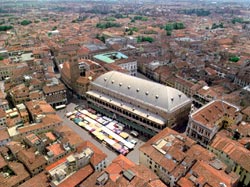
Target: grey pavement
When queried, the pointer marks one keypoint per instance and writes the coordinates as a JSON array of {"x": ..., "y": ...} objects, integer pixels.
[
  {"x": 140, "y": 75},
  {"x": 133, "y": 155}
]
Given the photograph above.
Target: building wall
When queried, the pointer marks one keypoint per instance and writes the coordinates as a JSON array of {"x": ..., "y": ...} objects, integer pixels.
[
  {"x": 3, "y": 122},
  {"x": 240, "y": 82},
  {"x": 6, "y": 71},
  {"x": 200, "y": 133},
  {"x": 131, "y": 67},
  {"x": 4, "y": 142},
  {"x": 56, "y": 98},
  {"x": 185, "y": 89},
  {"x": 4, "y": 105},
  {"x": 100, "y": 166},
  {"x": 129, "y": 122},
  {"x": 81, "y": 89},
  {"x": 203, "y": 134},
  {"x": 145, "y": 160}
]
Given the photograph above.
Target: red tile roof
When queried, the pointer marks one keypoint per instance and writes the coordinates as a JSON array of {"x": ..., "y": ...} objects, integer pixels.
[
  {"x": 118, "y": 165},
  {"x": 30, "y": 159},
  {"x": 2, "y": 113},
  {"x": 206, "y": 174},
  {"x": 50, "y": 135},
  {"x": 4, "y": 134},
  {"x": 55, "y": 164},
  {"x": 72, "y": 136},
  {"x": 2, "y": 162},
  {"x": 77, "y": 177},
  {"x": 39, "y": 180},
  {"x": 56, "y": 149},
  {"x": 20, "y": 175},
  {"x": 235, "y": 151},
  {"x": 212, "y": 112}
]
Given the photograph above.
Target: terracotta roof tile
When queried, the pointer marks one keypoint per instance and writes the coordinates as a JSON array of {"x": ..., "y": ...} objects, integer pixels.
[
  {"x": 206, "y": 174},
  {"x": 4, "y": 134},
  {"x": 77, "y": 177},
  {"x": 2, "y": 162},
  {"x": 213, "y": 111},
  {"x": 30, "y": 159},
  {"x": 39, "y": 180},
  {"x": 56, "y": 149},
  {"x": 237, "y": 152},
  {"x": 20, "y": 175}
]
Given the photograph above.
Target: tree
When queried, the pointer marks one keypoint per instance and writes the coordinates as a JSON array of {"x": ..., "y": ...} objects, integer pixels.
[
  {"x": 102, "y": 38},
  {"x": 25, "y": 22},
  {"x": 237, "y": 20},
  {"x": 178, "y": 25},
  {"x": 215, "y": 26},
  {"x": 142, "y": 18},
  {"x": 234, "y": 58},
  {"x": 169, "y": 27},
  {"x": 110, "y": 19},
  {"x": 107, "y": 25},
  {"x": 5, "y": 27},
  {"x": 173, "y": 26},
  {"x": 118, "y": 16},
  {"x": 144, "y": 39}
]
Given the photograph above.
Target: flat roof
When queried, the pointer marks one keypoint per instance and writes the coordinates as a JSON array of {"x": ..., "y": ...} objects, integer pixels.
[
  {"x": 110, "y": 57},
  {"x": 27, "y": 57}
]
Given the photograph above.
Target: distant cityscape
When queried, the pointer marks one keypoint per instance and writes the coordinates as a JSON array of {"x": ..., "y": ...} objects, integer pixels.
[{"x": 132, "y": 93}]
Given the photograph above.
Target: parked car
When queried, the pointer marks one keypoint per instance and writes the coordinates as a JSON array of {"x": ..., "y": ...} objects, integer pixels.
[
  {"x": 134, "y": 133},
  {"x": 133, "y": 141}
]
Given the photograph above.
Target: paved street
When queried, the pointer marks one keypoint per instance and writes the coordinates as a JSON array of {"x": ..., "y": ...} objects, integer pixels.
[
  {"x": 140, "y": 75},
  {"x": 133, "y": 155}
]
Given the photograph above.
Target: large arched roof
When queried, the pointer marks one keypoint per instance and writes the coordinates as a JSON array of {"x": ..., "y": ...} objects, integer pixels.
[{"x": 158, "y": 95}]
